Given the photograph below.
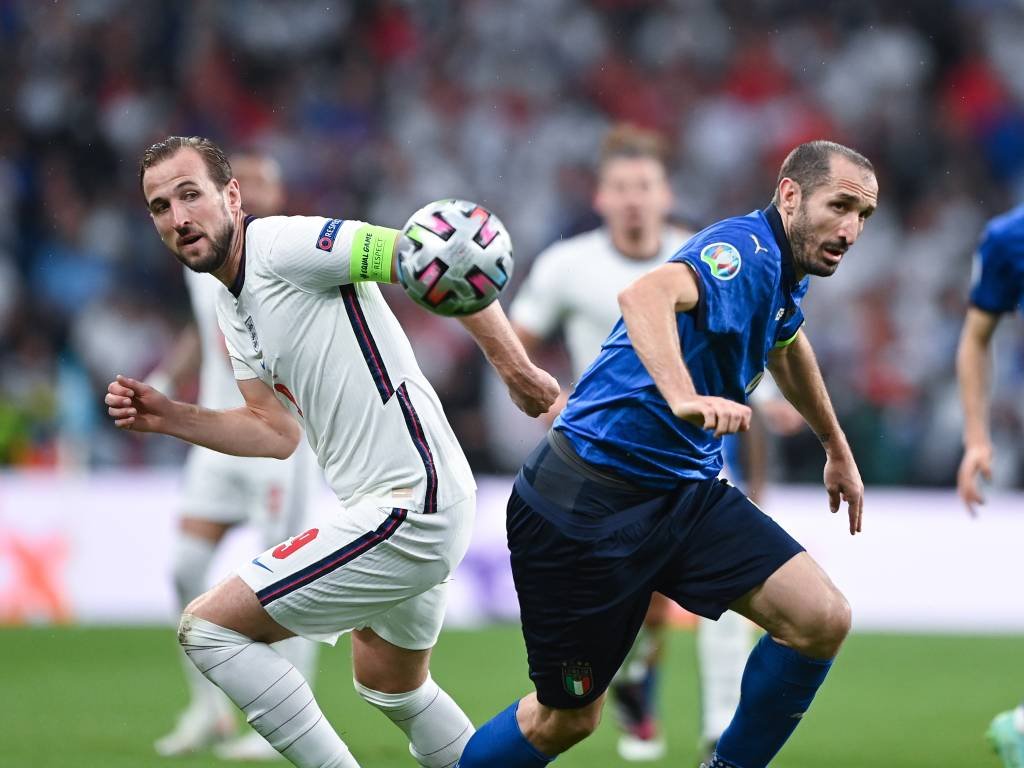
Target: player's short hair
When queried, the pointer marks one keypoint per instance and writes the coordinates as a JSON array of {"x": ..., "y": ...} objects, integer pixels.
[
  {"x": 628, "y": 140},
  {"x": 216, "y": 161},
  {"x": 809, "y": 164}
]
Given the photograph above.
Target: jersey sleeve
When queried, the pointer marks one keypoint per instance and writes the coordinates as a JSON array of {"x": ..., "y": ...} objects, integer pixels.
[
  {"x": 791, "y": 324},
  {"x": 995, "y": 282},
  {"x": 539, "y": 304},
  {"x": 245, "y": 366},
  {"x": 732, "y": 285},
  {"x": 315, "y": 254}
]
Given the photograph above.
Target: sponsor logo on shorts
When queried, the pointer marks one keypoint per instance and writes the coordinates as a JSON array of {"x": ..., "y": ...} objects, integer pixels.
[
  {"x": 326, "y": 240},
  {"x": 577, "y": 678}
]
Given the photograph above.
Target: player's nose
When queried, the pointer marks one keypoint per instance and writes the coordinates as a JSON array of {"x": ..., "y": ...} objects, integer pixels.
[
  {"x": 179, "y": 215},
  {"x": 849, "y": 228}
]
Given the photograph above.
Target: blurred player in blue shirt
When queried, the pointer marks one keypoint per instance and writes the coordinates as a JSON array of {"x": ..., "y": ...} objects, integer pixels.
[
  {"x": 998, "y": 288},
  {"x": 623, "y": 498}
]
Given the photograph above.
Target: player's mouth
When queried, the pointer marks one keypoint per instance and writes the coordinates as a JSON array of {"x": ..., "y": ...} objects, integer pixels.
[
  {"x": 833, "y": 252},
  {"x": 190, "y": 239}
]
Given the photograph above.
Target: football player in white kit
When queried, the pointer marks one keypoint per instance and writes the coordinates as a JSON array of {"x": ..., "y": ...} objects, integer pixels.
[
  {"x": 312, "y": 340},
  {"x": 221, "y": 491},
  {"x": 574, "y": 285}
]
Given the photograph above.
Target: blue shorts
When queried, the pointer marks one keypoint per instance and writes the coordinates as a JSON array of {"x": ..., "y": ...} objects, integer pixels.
[{"x": 588, "y": 549}]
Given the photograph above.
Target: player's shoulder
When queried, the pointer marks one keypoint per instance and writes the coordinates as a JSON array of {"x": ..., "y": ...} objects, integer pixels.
[
  {"x": 1002, "y": 240},
  {"x": 735, "y": 245},
  {"x": 1008, "y": 226}
]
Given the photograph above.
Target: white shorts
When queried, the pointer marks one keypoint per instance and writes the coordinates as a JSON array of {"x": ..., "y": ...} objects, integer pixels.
[
  {"x": 365, "y": 566},
  {"x": 272, "y": 494}
]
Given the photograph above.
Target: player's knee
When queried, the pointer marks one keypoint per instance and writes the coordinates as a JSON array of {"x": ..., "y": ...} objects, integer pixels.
[
  {"x": 567, "y": 727},
  {"x": 827, "y": 627}
]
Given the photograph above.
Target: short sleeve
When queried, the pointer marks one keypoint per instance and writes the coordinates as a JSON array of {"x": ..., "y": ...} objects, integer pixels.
[
  {"x": 793, "y": 320},
  {"x": 995, "y": 283},
  {"x": 731, "y": 287},
  {"x": 244, "y": 366},
  {"x": 539, "y": 305},
  {"x": 315, "y": 253}
]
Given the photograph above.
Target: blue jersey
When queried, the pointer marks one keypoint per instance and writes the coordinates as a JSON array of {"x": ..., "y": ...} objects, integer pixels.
[
  {"x": 999, "y": 271},
  {"x": 749, "y": 303}
]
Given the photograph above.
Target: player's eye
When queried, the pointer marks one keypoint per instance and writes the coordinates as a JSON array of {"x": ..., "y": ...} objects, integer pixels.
[
  {"x": 839, "y": 206},
  {"x": 190, "y": 196}
]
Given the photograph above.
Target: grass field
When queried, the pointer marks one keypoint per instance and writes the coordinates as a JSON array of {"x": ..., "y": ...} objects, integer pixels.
[{"x": 98, "y": 697}]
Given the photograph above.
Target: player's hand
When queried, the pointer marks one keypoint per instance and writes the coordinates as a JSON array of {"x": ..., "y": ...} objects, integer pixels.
[
  {"x": 977, "y": 460},
  {"x": 136, "y": 406},
  {"x": 724, "y": 416},
  {"x": 843, "y": 483},
  {"x": 533, "y": 392}
]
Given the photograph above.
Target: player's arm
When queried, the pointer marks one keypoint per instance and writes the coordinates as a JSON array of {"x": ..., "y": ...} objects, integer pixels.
[
  {"x": 649, "y": 306},
  {"x": 182, "y": 361},
  {"x": 973, "y": 364},
  {"x": 532, "y": 389},
  {"x": 796, "y": 373},
  {"x": 262, "y": 427}
]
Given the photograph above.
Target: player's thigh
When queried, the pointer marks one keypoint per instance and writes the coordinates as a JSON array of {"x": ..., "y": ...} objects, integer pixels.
[
  {"x": 725, "y": 546},
  {"x": 797, "y": 603},
  {"x": 210, "y": 488},
  {"x": 580, "y": 611},
  {"x": 233, "y": 605}
]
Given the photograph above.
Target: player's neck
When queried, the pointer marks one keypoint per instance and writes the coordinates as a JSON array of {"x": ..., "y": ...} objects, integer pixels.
[
  {"x": 228, "y": 271},
  {"x": 643, "y": 246},
  {"x": 798, "y": 273}
]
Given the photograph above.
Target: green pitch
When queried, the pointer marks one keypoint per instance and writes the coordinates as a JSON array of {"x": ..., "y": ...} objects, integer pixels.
[{"x": 98, "y": 697}]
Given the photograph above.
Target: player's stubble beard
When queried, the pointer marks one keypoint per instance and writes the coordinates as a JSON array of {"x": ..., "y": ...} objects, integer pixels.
[
  {"x": 220, "y": 246},
  {"x": 805, "y": 249}
]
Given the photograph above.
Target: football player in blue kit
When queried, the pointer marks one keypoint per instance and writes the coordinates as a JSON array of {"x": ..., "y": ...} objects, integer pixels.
[
  {"x": 998, "y": 288},
  {"x": 622, "y": 498}
]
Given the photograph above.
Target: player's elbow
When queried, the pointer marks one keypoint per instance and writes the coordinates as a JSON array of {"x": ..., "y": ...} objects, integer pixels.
[{"x": 288, "y": 440}]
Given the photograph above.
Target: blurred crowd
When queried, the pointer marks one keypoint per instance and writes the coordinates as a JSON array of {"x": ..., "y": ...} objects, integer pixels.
[{"x": 375, "y": 108}]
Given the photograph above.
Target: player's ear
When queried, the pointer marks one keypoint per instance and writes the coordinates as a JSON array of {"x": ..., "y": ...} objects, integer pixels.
[
  {"x": 789, "y": 196},
  {"x": 233, "y": 194}
]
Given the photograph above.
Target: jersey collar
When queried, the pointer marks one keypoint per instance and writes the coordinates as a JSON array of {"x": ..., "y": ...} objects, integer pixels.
[
  {"x": 782, "y": 240},
  {"x": 239, "y": 282}
]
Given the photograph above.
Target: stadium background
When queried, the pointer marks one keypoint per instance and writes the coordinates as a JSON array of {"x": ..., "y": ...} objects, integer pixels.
[{"x": 375, "y": 108}]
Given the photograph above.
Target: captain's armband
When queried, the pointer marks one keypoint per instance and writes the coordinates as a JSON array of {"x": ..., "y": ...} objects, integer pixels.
[{"x": 371, "y": 254}]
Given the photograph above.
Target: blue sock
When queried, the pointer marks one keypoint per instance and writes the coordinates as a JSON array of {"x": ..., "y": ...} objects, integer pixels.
[
  {"x": 778, "y": 687},
  {"x": 499, "y": 742}
]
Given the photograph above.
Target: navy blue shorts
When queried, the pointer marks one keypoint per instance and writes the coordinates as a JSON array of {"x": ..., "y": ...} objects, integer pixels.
[{"x": 589, "y": 549}]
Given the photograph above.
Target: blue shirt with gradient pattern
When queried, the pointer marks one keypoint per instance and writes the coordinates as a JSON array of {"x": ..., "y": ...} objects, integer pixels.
[
  {"x": 749, "y": 303},
  {"x": 998, "y": 285}
]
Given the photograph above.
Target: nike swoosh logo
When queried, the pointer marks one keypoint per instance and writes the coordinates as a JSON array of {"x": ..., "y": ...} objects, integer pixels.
[{"x": 256, "y": 561}]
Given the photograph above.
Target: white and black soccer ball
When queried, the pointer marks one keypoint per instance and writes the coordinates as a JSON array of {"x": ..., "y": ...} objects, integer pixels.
[{"x": 455, "y": 257}]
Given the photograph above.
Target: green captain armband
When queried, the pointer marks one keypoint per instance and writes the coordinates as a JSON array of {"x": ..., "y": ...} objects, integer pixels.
[
  {"x": 787, "y": 342},
  {"x": 370, "y": 257}
]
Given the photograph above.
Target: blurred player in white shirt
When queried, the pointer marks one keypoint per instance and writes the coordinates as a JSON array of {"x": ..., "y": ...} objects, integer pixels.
[
  {"x": 312, "y": 341},
  {"x": 573, "y": 286}
]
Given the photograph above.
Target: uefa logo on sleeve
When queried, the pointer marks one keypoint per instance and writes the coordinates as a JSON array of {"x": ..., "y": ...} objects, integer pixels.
[{"x": 723, "y": 258}]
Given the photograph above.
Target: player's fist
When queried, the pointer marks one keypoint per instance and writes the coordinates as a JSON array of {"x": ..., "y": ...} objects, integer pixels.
[
  {"x": 136, "y": 406},
  {"x": 724, "y": 416},
  {"x": 533, "y": 392},
  {"x": 977, "y": 460}
]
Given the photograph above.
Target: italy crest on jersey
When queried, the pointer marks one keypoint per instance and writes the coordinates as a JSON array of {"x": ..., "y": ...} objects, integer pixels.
[
  {"x": 577, "y": 678},
  {"x": 723, "y": 258}
]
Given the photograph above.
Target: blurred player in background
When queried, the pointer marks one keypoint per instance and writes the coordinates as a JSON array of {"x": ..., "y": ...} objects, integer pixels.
[
  {"x": 622, "y": 498},
  {"x": 311, "y": 339},
  {"x": 998, "y": 288},
  {"x": 222, "y": 491},
  {"x": 573, "y": 286}
]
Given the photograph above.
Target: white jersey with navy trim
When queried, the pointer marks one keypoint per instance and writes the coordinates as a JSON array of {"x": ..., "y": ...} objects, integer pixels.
[
  {"x": 575, "y": 283},
  {"x": 338, "y": 359},
  {"x": 217, "y": 387}
]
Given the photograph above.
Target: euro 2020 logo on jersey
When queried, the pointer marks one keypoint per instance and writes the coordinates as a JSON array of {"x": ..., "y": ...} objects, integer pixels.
[{"x": 723, "y": 258}]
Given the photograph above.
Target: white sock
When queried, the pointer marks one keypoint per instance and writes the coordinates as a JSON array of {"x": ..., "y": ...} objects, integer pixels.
[
  {"x": 276, "y": 699},
  {"x": 722, "y": 650},
  {"x": 1018, "y": 718},
  {"x": 643, "y": 651},
  {"x": 190, "y": 563},
  {"x": 302, "y": 653},
  {"x": 435, "y": 725}
]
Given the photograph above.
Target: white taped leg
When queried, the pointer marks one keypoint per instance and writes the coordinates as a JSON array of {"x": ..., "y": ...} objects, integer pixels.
[
  {"x": 722, "y": 650},
  {"x": 276, "y": 699},
  {"x": 435, "y": 725},
  {"x": 191, "y": 561},
  {"x": 302, "y": 653}
]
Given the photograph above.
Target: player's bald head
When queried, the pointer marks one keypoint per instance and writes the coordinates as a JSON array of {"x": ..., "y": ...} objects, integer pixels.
[{"x": 810, "y": 165}]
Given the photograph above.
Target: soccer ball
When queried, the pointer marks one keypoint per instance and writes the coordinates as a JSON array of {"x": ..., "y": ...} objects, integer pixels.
[{"x": 455, "y": 257}]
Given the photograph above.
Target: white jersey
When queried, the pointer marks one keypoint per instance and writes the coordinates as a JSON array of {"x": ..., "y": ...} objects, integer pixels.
[
  {"x": 217, "y": 387},
  {"x": 338, "y": 359},
  {"x": 576, "y": 283}
]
